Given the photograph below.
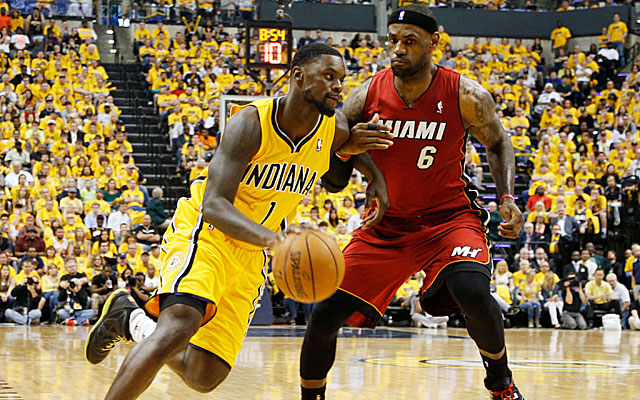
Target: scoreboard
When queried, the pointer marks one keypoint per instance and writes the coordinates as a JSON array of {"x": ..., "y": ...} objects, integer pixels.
[{"x": 268, "y": 44}]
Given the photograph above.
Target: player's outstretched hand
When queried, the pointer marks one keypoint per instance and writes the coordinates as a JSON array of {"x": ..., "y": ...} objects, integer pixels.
[
  {"x": 514, "y": 220},
  {"x": 376, "y": 191},
  {"x": 365, "y": 136}
]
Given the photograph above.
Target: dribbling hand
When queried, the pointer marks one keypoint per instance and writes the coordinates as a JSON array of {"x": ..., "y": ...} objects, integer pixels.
[
  {"x": 367, "y": 136},
  {"x": 514, "y": 220},
  {"x": 281, "y": 236}
]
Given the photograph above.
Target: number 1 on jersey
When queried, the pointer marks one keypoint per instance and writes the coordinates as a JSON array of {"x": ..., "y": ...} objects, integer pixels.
[
  {"x": 272, "y": 207},
  {"x": 425, "y": 159}
]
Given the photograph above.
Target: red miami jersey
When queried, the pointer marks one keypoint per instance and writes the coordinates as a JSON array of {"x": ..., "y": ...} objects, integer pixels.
[{"x": 424, "y": 168}]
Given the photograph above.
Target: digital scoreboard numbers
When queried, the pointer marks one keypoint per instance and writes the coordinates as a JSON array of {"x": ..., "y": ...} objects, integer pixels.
[{"x": 268, "y": 44}]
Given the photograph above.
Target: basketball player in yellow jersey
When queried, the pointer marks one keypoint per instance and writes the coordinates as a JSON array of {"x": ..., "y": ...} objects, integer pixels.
[{"x": 272, "y": 153}]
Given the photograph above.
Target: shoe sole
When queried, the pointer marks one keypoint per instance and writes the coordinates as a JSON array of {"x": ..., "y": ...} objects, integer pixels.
[{"x": 105, "y": 311}]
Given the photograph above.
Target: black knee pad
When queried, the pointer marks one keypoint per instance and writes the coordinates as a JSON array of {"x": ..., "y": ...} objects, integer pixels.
[{"x": 470, "y": 290}]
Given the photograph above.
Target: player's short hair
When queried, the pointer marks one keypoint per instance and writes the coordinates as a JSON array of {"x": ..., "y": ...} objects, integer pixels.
[{"x": 310, "y": 52}]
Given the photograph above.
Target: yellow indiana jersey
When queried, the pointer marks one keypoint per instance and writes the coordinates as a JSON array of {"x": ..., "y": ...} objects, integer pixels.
[{"x": 278, "y": 176}]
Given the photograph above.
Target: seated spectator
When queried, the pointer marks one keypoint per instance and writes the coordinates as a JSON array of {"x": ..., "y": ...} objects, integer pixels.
[
  {"x": 30, "y": 240},
  {"x": 111, "y": 192},
  {"x": 587, "y": 261},
  {"x": 539, "y": 196},
  {"x": 7, "y": 283},
  {"x": 146, "y": 233},
  {"x": 12, "y": 178},
  {"x": 545, "y": 269},
  {"x": 531, "y": 297},
  {"x": 32, "y": 256},
  {"x": 528, "y": 238},
  {"x": 521, "y": 275},
  {"x": 117, "y": 218},
  {"x": 502, "y": 276},
  {"x": 151, "y": 279},
  {"x": 568, "y": 225},
  {"x": 71, "y": 203},
  {"x": 102, "y": 286},
  {"x": 91, "y": 219},
  {"x": 600, "y": 295},
  {"x": 551, "y": 297},
  {"x": 155, "y": 209},
  {"x": 621, "y": 296},
  {"x": 49, "y": 285}
]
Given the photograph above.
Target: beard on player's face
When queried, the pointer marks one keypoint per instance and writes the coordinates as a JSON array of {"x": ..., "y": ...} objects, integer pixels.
[
  {"x": 410, "y": 69},
  {"x": 321, "y": 104}
]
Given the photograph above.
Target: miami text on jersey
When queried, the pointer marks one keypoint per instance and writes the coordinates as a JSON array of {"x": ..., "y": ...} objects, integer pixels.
[{"x": 416, "y": 129}]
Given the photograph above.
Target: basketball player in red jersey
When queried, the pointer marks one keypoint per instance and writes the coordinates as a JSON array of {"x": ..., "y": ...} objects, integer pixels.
[{"x": 433, "y": 223}]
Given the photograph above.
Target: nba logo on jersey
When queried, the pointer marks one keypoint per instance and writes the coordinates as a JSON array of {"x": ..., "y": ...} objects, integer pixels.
[
  {"x": 439, "y": 110},
  {"x": 401, "y": 16},
  {"x": 319, "y": 146}
]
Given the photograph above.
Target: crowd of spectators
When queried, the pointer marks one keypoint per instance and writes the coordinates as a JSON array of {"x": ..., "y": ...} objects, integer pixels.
[
  {"x": 76, "y": 221},
  {"x": 176, "y": 11},
  {"x": 52, "y": 8}
]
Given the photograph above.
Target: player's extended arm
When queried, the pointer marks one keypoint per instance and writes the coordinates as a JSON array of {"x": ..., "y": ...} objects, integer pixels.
[
  {"x": 361, "y": 137},
  {"x": 240, "y": 142},
  {"x": 480, "y": 119}
]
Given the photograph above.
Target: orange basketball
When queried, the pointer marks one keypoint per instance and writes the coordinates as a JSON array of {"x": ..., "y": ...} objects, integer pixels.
[{"x": 308, "y": 266}]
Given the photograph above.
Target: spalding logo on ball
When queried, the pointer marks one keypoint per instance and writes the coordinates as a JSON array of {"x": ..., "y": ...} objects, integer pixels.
[{"x": 308, "y": 266}]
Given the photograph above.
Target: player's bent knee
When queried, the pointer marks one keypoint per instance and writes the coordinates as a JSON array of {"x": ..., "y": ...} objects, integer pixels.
[
  {"x": 324, "y": 317},
  {"x": 204, "y": 371},
  {"x": 207, "y": 381}
]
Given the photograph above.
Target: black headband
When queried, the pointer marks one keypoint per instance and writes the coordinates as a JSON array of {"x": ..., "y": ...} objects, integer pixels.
[{"x": 401, "y": 16}]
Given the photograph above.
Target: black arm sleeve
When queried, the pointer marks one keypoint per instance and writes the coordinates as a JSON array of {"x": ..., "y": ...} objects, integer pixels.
[{"x": 337, "y": 178}]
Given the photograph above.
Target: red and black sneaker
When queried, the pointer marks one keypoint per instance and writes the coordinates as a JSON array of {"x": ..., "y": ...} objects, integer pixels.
[{"x": 510, "y": 393}]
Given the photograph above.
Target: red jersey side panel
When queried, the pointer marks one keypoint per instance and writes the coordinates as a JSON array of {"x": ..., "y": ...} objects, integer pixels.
[{"x": 424, "y": 168}]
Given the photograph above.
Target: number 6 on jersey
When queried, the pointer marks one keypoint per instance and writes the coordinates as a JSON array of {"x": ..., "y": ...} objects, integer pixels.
[{"x": 425, "y": 159}]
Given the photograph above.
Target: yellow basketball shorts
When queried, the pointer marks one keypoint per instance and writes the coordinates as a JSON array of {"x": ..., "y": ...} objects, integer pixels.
[{"x": 203, "y": 263}]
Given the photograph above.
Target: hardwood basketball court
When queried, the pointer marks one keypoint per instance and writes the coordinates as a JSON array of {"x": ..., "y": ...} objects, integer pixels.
[{"x": 48, "y": 363}]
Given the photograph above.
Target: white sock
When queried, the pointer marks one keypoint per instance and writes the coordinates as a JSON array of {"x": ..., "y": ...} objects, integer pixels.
[{"x": 140, "y": 326}]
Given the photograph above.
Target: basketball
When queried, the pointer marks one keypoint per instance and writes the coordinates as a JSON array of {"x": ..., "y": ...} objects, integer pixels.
[{"x": 308, "y": 266}]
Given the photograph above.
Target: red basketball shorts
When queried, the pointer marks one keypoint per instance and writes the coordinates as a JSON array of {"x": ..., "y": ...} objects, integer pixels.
[{"x": 380, "y": 259}]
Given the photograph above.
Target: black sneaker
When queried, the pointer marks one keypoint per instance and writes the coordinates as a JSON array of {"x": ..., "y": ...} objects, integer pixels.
[
  {"x": 506, "y": 390},
  {"x": 112, "y": 327}
]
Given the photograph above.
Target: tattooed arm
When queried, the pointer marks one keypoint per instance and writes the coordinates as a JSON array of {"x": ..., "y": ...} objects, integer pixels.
[{"x": 479, "y": 118}]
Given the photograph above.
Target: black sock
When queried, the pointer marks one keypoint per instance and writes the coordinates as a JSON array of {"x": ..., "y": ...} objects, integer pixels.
[
  {"x": 498, "y": 373},
  {"x": 313, "y": 394}
]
